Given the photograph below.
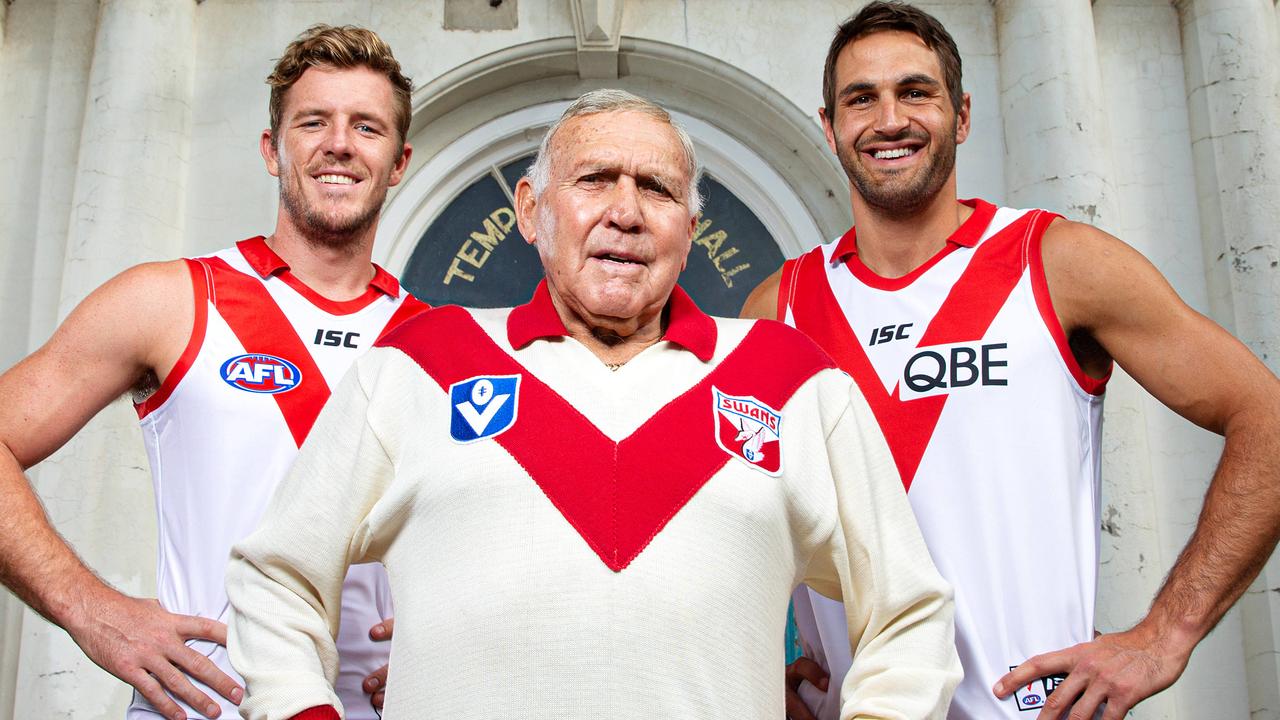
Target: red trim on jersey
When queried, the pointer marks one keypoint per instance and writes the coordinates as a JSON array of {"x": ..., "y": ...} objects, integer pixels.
[
  {"x": 786, "y": 289},
  {"x": 983, "y": 288},
  {"x": 200, "y": 292},
  {"x": 319, "y": 712},
  {"x": 687, "y": 326},
  {"x": 411, "y": 307},
  {"x": 965, "y": 315},
  {"x": 967, "y": 235},
  {"x": 266, "y": 263},
  {"x": 262, "y": 327},
  {"x": 1044, "y": 303},
  {"x": 617, "y": 495}
]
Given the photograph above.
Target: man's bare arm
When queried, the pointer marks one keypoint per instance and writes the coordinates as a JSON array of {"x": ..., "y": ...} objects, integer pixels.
[
  {"x": 1114, "y": 304},
  {"x": 763, "y": 300},
  {"x": 132, "y": 325}
]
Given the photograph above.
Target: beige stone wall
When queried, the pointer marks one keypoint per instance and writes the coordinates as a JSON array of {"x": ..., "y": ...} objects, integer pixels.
[{"x": 131, "y": 134}]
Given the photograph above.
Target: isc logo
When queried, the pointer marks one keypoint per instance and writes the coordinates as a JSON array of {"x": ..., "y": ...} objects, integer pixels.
[
  {"x": 336, "y": 338},
  {"x": 257, "y": 373}
]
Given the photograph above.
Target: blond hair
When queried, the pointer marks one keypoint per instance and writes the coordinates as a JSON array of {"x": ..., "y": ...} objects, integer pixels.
[{"x": 347, "y": 46}]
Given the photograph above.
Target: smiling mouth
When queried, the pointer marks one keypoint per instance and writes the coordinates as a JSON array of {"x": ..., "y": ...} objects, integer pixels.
[
  {"x": 893, "y": 154},
  {"x": 336, "y": 180}
]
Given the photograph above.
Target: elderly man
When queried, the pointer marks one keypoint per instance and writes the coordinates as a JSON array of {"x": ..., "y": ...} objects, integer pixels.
[{"x": 596, "y": 504}]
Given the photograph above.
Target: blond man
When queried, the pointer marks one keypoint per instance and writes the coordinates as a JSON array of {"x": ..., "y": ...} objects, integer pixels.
[{"x": 229, "y": 357}]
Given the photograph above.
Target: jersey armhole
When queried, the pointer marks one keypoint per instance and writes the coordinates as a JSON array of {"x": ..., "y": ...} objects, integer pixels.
[
  {"x": 1044, "y": 303},
  {"x": 786, "y": 288},
  {"x": 201, "y": 289}
]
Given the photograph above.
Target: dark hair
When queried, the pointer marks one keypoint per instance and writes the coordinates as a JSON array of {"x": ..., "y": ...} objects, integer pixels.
[
  {"x": 880, "y": 16},
  {"x": 347, "y": 46}
]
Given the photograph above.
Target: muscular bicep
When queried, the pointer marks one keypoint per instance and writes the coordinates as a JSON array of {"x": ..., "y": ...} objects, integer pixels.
[
  {"x": 763, "y": 300},
  {"x": 1113, "y": 300},
  {"x": 134, "y": 324}
]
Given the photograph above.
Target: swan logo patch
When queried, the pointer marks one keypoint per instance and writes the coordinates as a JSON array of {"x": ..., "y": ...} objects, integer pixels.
[
  {"x": 482, "y": 406},
  {"x": 749, "y": 430}
]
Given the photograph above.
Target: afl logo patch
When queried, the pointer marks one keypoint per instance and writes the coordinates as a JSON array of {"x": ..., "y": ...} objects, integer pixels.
[
  {"x": 257, "y": 373},
  {"x": 1033, "y": 695},
  {"x": 749, "y": 430}
]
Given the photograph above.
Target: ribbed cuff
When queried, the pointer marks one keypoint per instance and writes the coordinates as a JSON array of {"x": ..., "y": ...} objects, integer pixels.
[{"x": 319, "y": 712}]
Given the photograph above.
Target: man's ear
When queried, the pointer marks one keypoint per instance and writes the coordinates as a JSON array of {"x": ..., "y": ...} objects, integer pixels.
[
  {"x": 526, "y": 210},
  {"x": 827, "y": 128},
  {"x": 402, "y": 164},
  {"x": 267, "y": 146},
  {"x": 962, "y": 120},
  {"x": 693, "y": 228}
]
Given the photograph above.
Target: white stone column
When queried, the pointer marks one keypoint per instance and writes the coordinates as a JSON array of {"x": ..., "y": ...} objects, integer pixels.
[
  {"x": 1139, "y": 45},
  {"x": 128, "y": 206},
  {"x": 1058, "y": 156},
  {"x": 1232, "y": 61},
  {"x": 44, "y": 69},
  {"x": 70, "y": 61},
  {"x": 1056, "y": 136}
]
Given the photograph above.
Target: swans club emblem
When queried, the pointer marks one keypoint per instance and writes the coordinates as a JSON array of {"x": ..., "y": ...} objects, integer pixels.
[{"x": 749, "y": 430}]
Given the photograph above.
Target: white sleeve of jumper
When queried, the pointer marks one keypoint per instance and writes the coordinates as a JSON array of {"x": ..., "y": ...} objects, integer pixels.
[
  {"x": 285, "y": 580},
  {"x": 899, "y": 609}
]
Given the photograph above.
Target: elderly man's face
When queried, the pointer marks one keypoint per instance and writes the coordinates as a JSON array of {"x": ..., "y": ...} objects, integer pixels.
[{"x": 613, "y": 226}]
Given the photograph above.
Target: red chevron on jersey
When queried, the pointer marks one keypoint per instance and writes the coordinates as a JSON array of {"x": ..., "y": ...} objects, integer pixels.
[
  {"x": 410, "y": 307},
  {"x": 617, "y": 495},
  {"x": 260, "y": 325},
  {"x": 964, "y": 316}
]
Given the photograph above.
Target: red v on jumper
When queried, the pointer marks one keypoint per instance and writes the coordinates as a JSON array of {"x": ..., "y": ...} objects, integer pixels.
[
  {"x": 965, "y": 315},
  {"x": 617, "y": 495}
]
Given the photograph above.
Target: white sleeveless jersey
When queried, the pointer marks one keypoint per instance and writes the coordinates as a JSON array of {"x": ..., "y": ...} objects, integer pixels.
[
  {"x": 226, "y": 424},
  {"x": 995, "y": 430}
]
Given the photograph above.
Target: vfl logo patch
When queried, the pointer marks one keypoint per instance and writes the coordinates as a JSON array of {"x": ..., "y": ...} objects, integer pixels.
[
  {"x": 257, "y": 373},
  {"x": 748, "y": 430},
  {"x": 1032, "y": 695},
  {"x": 483, "y": 406}
]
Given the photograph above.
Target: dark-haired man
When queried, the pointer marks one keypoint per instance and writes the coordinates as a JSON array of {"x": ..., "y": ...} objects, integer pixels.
[
  {"x": 983, "y": 338},
  {"x": 230, "y": 357}
]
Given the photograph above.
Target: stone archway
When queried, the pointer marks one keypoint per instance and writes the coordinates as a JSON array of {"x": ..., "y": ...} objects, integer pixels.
[{"x": 766, "y": 162}]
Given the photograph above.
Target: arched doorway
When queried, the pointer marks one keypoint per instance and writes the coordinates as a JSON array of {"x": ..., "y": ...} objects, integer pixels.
[
  {"x": 772, "y": 190},
  {"x": 473, "y": 254}
]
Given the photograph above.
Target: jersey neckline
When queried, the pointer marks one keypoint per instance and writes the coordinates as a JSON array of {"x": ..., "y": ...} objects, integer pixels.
[
  {"x": 967, "y": 235},
  {"x": 266, "y": 263}
]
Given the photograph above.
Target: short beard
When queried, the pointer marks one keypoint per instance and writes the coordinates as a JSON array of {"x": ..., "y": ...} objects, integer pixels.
[
  {"x": 896, "y": 197},
  {"x": 324, "y": 230}
]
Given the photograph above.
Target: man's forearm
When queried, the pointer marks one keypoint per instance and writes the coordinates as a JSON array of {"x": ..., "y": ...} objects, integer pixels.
[
  {"x": 35, "y": 562},
  {"x": 1237, "y": 531}
]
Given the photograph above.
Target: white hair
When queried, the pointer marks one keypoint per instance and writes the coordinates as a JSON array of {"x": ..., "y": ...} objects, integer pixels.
[{"x": 610, "y": 100}]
